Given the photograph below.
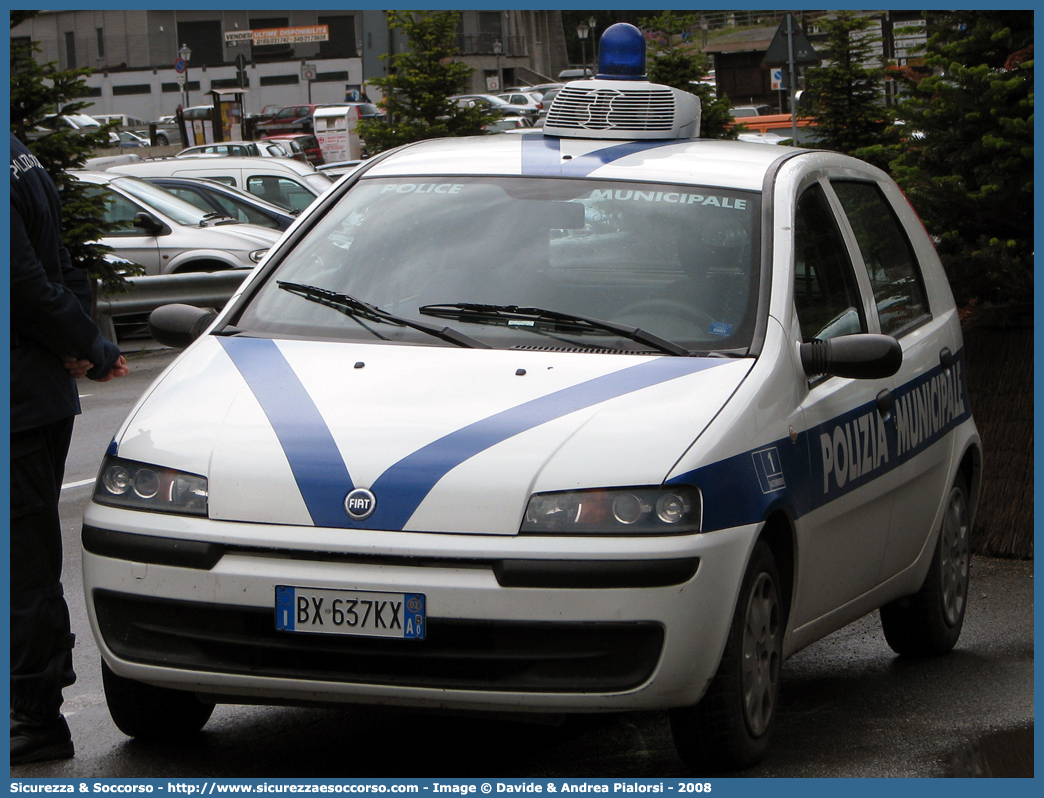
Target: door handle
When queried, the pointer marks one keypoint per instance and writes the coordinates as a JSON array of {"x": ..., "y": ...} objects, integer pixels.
[{"x": 885, "y": 404}]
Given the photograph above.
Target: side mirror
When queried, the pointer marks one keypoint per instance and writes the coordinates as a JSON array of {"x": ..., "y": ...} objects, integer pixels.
[
  {"x": 862, "y": 356},
  {"x": 179, "y": 325},
  {"x": 147, "y": 222}
]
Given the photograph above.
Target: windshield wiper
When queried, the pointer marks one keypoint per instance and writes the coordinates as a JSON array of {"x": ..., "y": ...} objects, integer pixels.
[
  {"x": 214, "y": 215},
  {"x": 506, "y": 314},
  {"x": 358, "y": 309}
]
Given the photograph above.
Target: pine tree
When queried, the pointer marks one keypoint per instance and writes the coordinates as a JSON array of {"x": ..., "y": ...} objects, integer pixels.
[
  {"x": 419, "y": 84},
  {"x": 846, "y": 94},
  {"x": 679, "y": 67},
  {"x": 968, "y": 169},
  {"x": 39, "y": 94}
]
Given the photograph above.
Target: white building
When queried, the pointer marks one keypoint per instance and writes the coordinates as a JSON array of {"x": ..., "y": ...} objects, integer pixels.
[{"x": 134, "y": 53}]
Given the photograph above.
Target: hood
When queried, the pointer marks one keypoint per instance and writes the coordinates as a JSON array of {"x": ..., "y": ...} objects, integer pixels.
[
  {"x": 447, "y": 440},
  {"x": 240, "y": 236}
]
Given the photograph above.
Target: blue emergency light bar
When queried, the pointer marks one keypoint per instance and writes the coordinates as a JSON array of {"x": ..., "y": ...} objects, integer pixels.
[{"x": 621, "y": 53}]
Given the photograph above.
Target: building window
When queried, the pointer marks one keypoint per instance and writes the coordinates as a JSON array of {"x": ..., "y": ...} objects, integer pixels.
[
  {"x": 177, "y": 88},
  {"x": 280, "y": 80},
  {"x": 205, "y": 40},
  {"x": 70, "y": 50},
  {"x": 341, "y": 43},
  {"x": 271, "y": 52},
  {"x": 135, "y": 88},
  {"x": 101, "y": 42},
  {"x": 332, "y": 77}
]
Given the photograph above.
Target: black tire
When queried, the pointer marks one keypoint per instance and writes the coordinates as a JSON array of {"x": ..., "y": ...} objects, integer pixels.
[
  {"x": 152, "y": 713},
  {"x": 161, "y": 140},
  {"x": 928, "y": 623},
  {"x": 730, "y": 728}
]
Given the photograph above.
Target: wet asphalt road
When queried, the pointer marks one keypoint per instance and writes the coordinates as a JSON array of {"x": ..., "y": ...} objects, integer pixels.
[{"x": 849, "y": 707}]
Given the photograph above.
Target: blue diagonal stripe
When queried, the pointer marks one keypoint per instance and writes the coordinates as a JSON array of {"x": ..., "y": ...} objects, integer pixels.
[
  {"x": 542, "y": 155},
  {"x": 319, "y": 469},
  {"x": 306, "y": 440},
  {"x": 402, "y": 488}
]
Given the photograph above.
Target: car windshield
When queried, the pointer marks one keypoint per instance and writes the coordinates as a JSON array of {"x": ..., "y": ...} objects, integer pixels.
[
  {"x": 318, "y": 181},
  {"x": 159, "y": 199},
  {"x": 679, "y": 262}
]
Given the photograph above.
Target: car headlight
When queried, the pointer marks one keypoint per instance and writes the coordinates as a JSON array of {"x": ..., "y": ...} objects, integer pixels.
[
  {"x": 257, "y": 254},
  {"x": 139, "y": 486},
  {"x": 663, "y": 510}
]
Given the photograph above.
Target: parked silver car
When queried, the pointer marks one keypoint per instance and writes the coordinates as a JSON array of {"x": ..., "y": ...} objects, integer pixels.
[
  {"x": 282, "y": 181},
  {"x": 266, "y": 149},
  {"x": 167, "y": 235}
]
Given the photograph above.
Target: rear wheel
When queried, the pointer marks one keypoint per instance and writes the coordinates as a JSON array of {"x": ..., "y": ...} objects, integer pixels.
[
  {"x": 731, "y": 726},
  {"x": 152, "y": 713},
  {"x": 929, "y": 622}
]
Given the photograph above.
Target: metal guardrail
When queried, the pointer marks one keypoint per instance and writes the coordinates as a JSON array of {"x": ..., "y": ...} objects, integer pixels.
[{"x": 145, "y": 294}]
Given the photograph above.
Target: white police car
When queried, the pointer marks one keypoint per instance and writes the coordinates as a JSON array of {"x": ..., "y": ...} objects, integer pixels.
[{"x": 600, "y": 418}]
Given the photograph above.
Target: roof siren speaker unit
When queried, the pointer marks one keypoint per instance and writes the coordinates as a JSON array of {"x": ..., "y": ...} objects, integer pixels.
[{"x": 619, "y": 102}]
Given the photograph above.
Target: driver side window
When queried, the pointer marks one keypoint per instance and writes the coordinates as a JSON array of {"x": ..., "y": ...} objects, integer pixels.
[
  {"x": 825, "y": 290},
  {"x": 119, "y": 211}
]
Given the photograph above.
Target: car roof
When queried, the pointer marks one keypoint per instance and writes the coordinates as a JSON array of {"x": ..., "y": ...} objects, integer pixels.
[
  {"x": 218, "y": 162},
  {"x": 717, "y": 163},
  {"x": 95, "y": 177}
]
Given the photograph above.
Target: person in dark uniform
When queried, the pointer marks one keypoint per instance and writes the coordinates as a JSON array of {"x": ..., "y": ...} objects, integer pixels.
[{"x": 53, "y": 341}]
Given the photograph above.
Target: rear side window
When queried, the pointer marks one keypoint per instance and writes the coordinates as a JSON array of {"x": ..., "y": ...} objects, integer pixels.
[
  {"x": 280, "y": 191},
  {"x": 887, "y": 253},
  {"x": 228, "y": 180},
  {"x": 825, "y": 289}
]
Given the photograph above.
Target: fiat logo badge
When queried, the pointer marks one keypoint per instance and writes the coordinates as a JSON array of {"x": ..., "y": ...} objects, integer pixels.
[{"x": 360, "y": 504}]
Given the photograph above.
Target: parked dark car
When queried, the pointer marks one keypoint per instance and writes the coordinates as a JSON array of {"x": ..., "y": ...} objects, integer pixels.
[
  {"x": 305, "y": 143},
  {"x": 210, "y": 195}
]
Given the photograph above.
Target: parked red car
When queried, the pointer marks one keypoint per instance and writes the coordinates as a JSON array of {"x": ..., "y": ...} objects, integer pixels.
[
  {"x": 304, "y": 146},
  {"x": 290, "y": 119}
]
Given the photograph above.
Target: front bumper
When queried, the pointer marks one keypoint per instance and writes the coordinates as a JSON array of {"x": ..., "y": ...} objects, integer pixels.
[{"x": 521, "y": 623}]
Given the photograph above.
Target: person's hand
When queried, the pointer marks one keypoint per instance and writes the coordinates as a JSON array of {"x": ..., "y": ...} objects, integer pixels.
[
  {"x": 77, "y": 367},
  {"x": 121, "y": 369}
]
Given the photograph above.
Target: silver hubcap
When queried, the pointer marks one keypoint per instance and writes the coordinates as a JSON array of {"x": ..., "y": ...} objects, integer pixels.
[
  {"x": 954, "y": 556},
  {"x": 761, "y": 652}
]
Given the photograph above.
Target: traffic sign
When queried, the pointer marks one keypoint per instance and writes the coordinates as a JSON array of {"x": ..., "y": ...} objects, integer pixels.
[
  {"x": 790, "y": 39},
  {"x": 180, "y": 66},
  {"x": 308, "y": 71}
]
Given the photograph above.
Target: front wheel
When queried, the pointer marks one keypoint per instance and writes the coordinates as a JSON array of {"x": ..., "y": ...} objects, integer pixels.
[
  {"x": 152, "y": 713},
  {"x": 929, "y": 622},
  {"x": 730, "y": 727}
]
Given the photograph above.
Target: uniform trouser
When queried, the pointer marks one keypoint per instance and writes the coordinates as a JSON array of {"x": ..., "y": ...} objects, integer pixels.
[{"x": 41, "y": 641}]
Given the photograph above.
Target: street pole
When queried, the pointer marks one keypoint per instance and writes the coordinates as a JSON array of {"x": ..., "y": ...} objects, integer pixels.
[
  {"x": 581, "y": 32},
  {"x": 185, "y": 53},
  {"x": 498, "y": 48},
  {"x": 793, "y": 79}
]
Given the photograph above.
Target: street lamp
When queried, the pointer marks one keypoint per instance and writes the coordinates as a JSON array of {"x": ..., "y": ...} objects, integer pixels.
[
  {"x": 592, "y": 23},
  {"x": 185, "y": 53},
  {"x": 581, "y": 31},
  {"x": 498, "y": 48}
]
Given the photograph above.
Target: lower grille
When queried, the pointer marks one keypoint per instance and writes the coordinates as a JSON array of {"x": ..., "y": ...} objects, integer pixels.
[{"x": 511, "y": 656}]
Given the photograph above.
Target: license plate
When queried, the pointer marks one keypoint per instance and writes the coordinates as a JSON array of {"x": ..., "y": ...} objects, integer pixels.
[{"x": 350, "y": 612}]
